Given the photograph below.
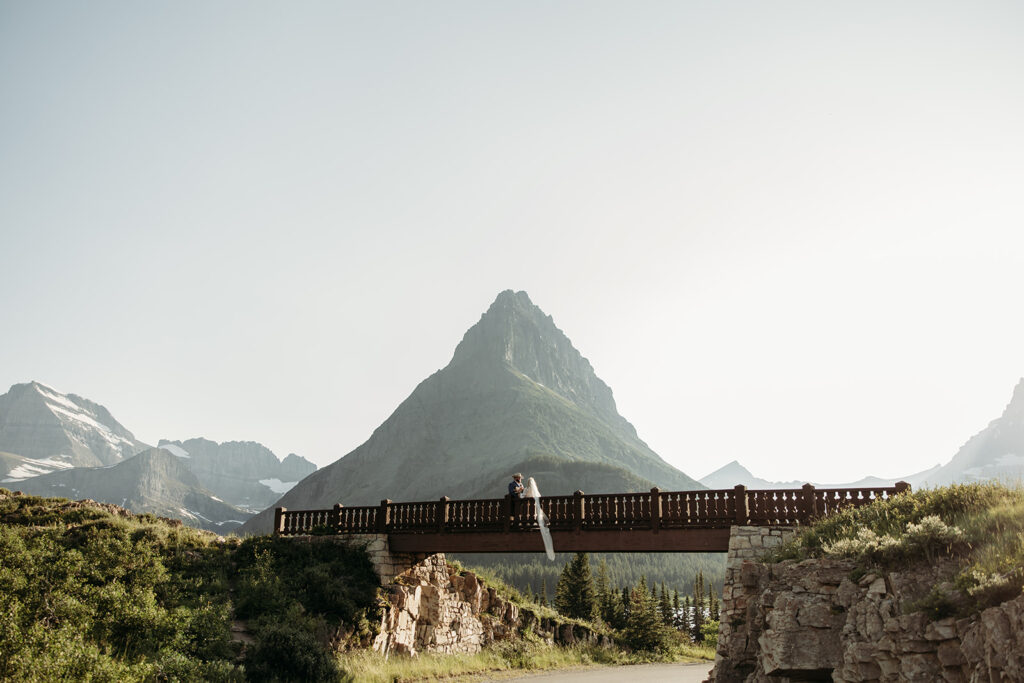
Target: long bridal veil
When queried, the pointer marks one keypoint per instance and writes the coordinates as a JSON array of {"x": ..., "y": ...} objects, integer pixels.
[{"x": 533, "y": 492}]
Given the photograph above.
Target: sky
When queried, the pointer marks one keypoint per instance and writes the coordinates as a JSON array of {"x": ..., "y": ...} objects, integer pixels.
[{"x": 787, "y": 233}]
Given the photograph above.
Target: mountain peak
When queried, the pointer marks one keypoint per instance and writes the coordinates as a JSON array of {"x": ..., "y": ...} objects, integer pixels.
[
  {"x": 1015, "y": 408},
  {"x": 39, "y": 422},
  {"x": 515, "y": 336}
]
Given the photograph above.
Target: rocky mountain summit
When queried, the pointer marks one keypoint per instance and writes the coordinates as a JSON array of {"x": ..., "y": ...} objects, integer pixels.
[
  {"x": 245, "y": 474},
  {"x": 153, "y": 481},
  {"x": 60, "y": 430},
  {"x": 517, "y": 395},
  {"x": 996, "y": 452}
]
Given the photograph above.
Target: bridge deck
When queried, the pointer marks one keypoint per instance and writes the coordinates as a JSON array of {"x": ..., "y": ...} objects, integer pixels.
[
  {"x": 655, "y": 521},
  {"x": 665, "y": 541}
]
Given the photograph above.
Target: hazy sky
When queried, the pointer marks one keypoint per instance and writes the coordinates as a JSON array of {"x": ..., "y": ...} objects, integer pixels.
[{"x": 789, "y": 233}]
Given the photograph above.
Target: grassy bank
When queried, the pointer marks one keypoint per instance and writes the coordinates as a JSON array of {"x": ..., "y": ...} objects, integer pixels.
[
  {"x": 979, "y": 525},
  {"x": 502, "y": 660}
]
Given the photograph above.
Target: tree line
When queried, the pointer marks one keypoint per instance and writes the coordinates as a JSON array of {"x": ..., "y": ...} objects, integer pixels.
[
  {"x": 648, "y": 615},
  {"x": 534, "y": 574}
]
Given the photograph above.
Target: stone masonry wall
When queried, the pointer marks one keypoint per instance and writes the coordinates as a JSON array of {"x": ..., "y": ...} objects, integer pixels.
[{"x": 829, "y": 620}]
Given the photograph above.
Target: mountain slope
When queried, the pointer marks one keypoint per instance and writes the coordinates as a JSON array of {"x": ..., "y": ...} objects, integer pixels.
[
  {"x": 153, "y": 481},
  {"x": 41, "y": 423},
  {"x": 516, "y": 396}
]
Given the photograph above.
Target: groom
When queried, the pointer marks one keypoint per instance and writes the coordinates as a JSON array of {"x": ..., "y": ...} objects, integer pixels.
[{"x": 515, "y": 487}]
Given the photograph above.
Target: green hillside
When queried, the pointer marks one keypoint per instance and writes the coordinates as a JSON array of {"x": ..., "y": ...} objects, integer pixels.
[{"x": 92, "y": 592}]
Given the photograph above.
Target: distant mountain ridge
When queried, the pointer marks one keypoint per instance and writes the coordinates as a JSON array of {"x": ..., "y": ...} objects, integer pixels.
[
  {"x": 994, "y": 453},
  {"x": 153, "y": 481},
  {"x": 44, "y": 432},
  {"x": 244, "y": 473},
  {"x": 517, "y": 395}
]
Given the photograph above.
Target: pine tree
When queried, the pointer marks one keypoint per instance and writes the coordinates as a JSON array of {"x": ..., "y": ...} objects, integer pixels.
[
  {"x": 665, "y": 606},
  {"x": 677, "y": 612},
  {"x": 698, "y": 608},
  {"x": 609, "y": 605},
  {"x": 625, "y": 603},
  {"x": 644, "y": 627},
  {"x": 712, "y": 603},
  {"x": 543, "y": 599},
  {"x": 574, "y": 594}
]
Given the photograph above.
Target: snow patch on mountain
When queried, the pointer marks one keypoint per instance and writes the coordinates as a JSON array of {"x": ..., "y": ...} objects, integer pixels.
[
  {"x": 35, "y": 468},
  {"x": 175, "y": 450},
  {"x": 278, "y": 486},
  {"x": 90, "y": 421}
]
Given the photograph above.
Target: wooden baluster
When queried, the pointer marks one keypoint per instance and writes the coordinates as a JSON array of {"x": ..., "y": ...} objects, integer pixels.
[
  {"x": 383, "y": 517},
  {"x": 578, "y": 510}
]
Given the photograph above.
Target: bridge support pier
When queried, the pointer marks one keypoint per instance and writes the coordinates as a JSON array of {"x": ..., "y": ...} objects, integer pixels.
[
  {"x": 387, "y": 564},
  {"x": 746, "y": 544}
]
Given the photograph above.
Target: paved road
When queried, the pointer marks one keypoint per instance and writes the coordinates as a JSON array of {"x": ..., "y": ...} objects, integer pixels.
[{"x": 636, "y": 673}]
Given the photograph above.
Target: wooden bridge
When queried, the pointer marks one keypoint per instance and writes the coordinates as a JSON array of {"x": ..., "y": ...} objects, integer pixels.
[{"x": 657, "y": 521}]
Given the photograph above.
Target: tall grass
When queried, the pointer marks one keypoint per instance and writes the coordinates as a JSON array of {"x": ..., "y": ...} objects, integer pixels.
[{"x": 501, "y": 658}]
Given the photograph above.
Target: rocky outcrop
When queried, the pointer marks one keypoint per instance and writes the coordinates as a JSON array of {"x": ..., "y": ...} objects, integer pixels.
[
  {"x": 430, "y": 606},
  {"x": 825, "y": 619},
  {"x": 434, "y": 608}
]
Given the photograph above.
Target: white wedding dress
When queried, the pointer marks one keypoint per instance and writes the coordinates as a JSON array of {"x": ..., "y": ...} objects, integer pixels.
[{"x": 542, "y": 519}]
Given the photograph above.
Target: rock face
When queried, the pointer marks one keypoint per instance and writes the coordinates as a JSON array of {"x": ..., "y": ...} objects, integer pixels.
[
  {"x": 153, "y": 481},
  {"x": 433, "y": 608},
  {"x": 516, "y": 396},
  {"x": 245, "y": 474},
  {"x": 40, "y": 423},
  {"x": 824, "y": 620}
]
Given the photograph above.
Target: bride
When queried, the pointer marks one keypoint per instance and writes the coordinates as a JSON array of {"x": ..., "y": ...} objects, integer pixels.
[{"x": 542, "y": 520}]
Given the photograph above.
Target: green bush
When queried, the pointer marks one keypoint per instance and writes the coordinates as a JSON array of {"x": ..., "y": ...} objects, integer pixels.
[
  {"x": 89, "y": 595},
  {"x": 287, "y": 653}
]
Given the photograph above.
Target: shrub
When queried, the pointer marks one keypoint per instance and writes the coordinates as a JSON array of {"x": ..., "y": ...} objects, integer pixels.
[{"x": 284, "y": 652}]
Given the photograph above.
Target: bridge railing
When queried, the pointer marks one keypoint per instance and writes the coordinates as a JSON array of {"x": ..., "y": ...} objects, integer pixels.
[{"x": 650, "y": 511}]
